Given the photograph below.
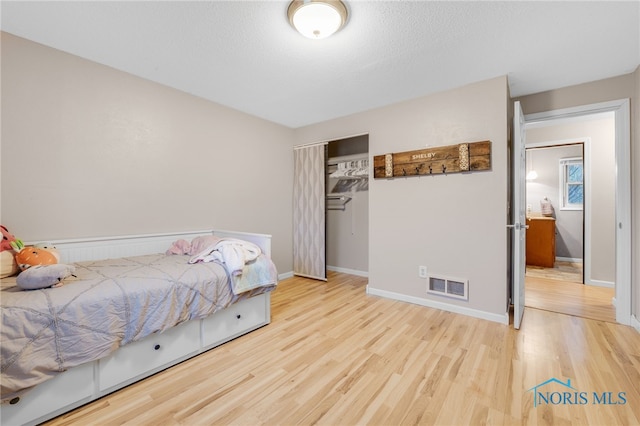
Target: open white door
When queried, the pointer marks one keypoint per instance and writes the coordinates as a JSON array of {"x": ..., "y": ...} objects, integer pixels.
[{"x": 519, "y": 215}]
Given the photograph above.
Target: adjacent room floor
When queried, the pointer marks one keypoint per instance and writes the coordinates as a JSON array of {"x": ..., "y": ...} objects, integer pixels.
[
  {"x": 560, "y": 290},
  {"x": 562, "y": 271}
]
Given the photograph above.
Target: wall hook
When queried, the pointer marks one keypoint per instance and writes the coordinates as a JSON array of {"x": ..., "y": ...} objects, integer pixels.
[{"x": 431, "y": 161}]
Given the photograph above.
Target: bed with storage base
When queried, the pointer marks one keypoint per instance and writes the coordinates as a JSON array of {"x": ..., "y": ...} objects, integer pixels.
[{"x": 141, "y": 358}]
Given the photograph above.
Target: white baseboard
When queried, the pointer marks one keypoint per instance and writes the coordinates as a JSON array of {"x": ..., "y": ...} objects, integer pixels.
[
  {"x": 502, "y": 319},
  {"x": 635, "y": 323},
  {"x": 569, "y": 259},
  {"x": 598, "y": 283},
  {"x": 285, "y": 275},
  {"x": 348, "y": 271},
  {"x": 365, "y": 274}
]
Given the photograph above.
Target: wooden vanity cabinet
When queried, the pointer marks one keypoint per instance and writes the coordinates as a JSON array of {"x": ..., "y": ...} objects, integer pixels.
[{"x": 541, "y": 241}]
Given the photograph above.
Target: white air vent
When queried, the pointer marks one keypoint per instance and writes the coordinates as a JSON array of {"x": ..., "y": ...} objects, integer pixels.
[{"x": 450, "y": 287}]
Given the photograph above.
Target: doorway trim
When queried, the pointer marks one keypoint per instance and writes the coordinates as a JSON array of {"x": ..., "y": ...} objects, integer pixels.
[{"x": 621, "y": 110}]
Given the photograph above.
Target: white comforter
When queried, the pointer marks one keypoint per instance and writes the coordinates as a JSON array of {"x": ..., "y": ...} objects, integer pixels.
[{"x": 230, "y": 251}]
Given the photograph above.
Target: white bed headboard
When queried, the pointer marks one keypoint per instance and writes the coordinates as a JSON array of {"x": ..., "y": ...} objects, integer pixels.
[{"x": 82, "y": 249}]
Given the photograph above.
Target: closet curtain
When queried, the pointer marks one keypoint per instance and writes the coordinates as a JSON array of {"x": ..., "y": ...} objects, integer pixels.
[{"x": 309, "y": 252}]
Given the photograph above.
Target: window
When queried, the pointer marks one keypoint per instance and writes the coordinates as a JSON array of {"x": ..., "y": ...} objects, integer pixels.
[{"x": 571, "y": 184}]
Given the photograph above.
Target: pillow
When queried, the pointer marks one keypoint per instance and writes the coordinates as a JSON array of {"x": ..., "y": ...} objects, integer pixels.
[
  {"x": 43, "y": 276},
  {"x": 179, "y": 247},
  {"x": 196, "y": 245}
]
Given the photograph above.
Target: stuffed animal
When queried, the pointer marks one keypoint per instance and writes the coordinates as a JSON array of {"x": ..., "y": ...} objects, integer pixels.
[
  {"x": 38, "y": 264},
  {"x": 8, "y": 265},
  {"x": 50, "y": 248},
  {"x": 7, "y": 238},
  {"x": 27, "y": 257},
  {"x": 43, "y": 276}
]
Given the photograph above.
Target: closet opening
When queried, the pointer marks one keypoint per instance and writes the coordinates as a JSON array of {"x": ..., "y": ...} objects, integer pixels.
[{"x": 347, "y": 205}]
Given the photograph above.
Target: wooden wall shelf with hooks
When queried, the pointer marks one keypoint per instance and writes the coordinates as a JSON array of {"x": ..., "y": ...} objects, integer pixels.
[{"x": 464, "y": 157}]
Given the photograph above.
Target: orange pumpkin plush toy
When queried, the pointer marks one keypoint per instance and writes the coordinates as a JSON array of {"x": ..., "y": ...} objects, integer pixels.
[{"x": 27, "y": 257}]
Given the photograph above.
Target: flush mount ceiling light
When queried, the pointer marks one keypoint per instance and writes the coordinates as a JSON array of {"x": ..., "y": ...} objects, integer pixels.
[{"x": 317, "y": 18}]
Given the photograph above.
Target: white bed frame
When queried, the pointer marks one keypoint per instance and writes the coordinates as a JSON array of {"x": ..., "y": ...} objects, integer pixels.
[{"x": 140, "y": 359}]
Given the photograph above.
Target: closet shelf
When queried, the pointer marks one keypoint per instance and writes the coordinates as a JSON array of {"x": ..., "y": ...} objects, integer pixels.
[
  {"x": 351, "y": 177},
  {"x": 355, "y": 157}
]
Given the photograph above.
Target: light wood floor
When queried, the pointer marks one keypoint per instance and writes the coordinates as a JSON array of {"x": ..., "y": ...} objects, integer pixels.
[
  {"x": 563, "y": 271},
  {"x": 335, "y": 356},
  {"x": 569, "y": 298},
  {"x": 560, "y": 289}
]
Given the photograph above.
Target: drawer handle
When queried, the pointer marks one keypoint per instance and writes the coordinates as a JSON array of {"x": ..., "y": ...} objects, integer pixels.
[
  {"x": 238, "y": 316},
  {"x": 156, "y": 347}
]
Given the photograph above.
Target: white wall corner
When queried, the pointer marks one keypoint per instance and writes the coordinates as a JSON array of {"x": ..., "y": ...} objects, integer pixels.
[
  {"x": 285, "y": 275},
  {"x": 499, "y": 318}
]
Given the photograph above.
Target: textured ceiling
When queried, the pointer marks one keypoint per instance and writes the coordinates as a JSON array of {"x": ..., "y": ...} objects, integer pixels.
[{"x": 244, "y": 54}]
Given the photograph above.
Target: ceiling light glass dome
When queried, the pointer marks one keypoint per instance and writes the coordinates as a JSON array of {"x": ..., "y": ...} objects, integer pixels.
[{"x": 317, "y": 19}]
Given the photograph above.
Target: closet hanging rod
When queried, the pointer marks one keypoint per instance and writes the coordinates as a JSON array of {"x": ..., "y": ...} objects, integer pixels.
[
  {"x": 338, "y": 197},
  {"x": 342, "y": 199}
]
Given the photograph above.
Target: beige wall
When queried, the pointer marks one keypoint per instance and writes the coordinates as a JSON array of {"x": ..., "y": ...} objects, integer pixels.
[
  {"x": 601, "y": 132},
  {"x": 348, "y": 236},
  {"x": 453, "y": 224},
  {"x": 622, "y": 87},
  {"x": 91, "y": 151},
  {"x": 610, "y": 89}
]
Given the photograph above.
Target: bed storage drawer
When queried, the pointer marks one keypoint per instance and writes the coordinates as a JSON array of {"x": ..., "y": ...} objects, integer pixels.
[
  {"x": 78, "y": 388},
  {"x": 235, "y": 320},
  {"x": 136, "y": 359}
]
